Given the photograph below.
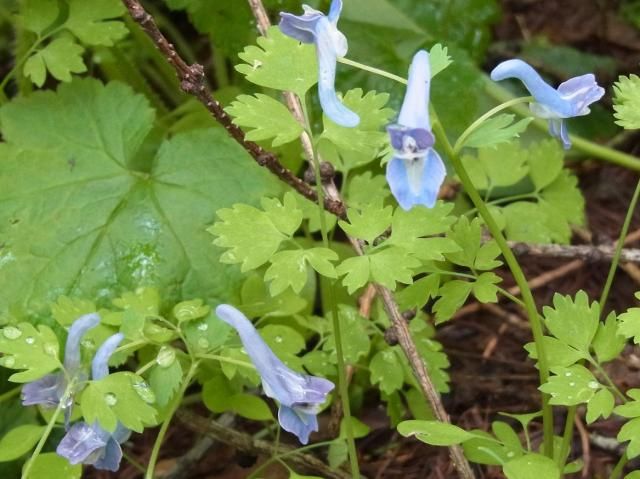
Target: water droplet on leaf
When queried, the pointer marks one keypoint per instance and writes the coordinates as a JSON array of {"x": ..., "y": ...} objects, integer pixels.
[
  {"x": 203, "y": 343},
  {"x": 9, "y": 361},
  {"x": 144, "y": 391},
  {"x": 594, "y": 384},
  {"x": 11, "y": 332},
  {"x": 166, "y": 356},
  {"x": 203, "y": 326},
  {"x": 278, "y": 339},
  {"x": 50, "y": 349},
  {"x": 30, "y": 340},
  {"x": 110, "y": 399}
]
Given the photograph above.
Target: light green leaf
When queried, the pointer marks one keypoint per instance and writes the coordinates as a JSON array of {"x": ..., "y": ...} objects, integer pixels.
[
  {"x": 386, "y": 371},
  {"x": 496, "y": 130},
  {"x": 367, "y": 223},
  {"x": 629, "y": 323},
  {"x": 630, "y": 409},
  {"x": 251, "y": 407},
  {"x": 366, "y": 138},
  {"x": 165, "y": 381},
  {"x": 535, "y": 223},
  {"x": 19, "y": 441},
  {"x": 283, "y": 339},
  {"x": 627, "y": 101},
  {"x": 206, "y": 334},
  {"x": 66, "y": 310},
  {"x": 631, "y": 432},
  {"x": 574, "y": 322},
  {"x": 504, "y": 164},
  {"x": 608, "y": 343},
  {"x": 38, "y": 15},
  {"x": 558, "y": 353},
  {"x": 453, "y": 295},
  {"x": 50, "y": 464},
  {"x": 35, "y": 69},
  {"x": 435, "y": 433},
  {"x": 507, "y": 436},
  {"x": 380, "y": 13},
  {"x": 472, "y": 253},
  {"x": 571, "y": 386},
  {"x": 355, "y": 340},
  {"x": 531, "y": 466},
  {"x": 286, "y": 216},
  {"x": 191, "y": 309},
  {"x": 390, "y": 266},
  {"x": 280, "y": 62},
  {"x": 289, "y": 268},
  {"x": 601, "y": 404},
  {"x": 431, "y": 352},
  {"x": 485, "y": 289},
  {"x": 365, "y": 189},
  {"x": 267, "y": 118},
  {"x": 123, "y": 397},
  {"x": 122, "y": 219},
  {"x": 564, "y": 197},
  {"x": 417, "y": 294},
  {"x": 62, "y": 57},
  {"x": 356, "y": 271},
  {"x": 545, "y": 161},
  {"x": 439, "y": 59},
  {"x": 34, "y": 350},
  {"x": 92, "y": 22}
]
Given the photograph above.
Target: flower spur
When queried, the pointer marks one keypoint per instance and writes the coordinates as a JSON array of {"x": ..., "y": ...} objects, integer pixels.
[
  {"x": 572, "y": 98},
  {"x": 299, "y": 395},
  {"x": 315, "y": 27}
]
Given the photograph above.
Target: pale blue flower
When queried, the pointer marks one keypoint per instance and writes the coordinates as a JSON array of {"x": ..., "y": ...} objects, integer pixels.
[
  {"x": 571, "y": 98},
  {"x": 90, "y": 444},
  {"x": 315, "y": 27},
  {"x": 48, "y": 390},
  {"x": 416, "y": 172},
  {"x": 299, "y": 395}
]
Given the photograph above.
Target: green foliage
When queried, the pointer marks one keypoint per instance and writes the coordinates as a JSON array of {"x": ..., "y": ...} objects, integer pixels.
[
  {"x": 629, "y": 325},
  {"x": 123, "y": 397},
  {"x": 573, "y": 321},
  {"x": 50, "y": 464},
  {"x": 627, "y": 102},
  {"x": 219, "y": 396},
  {"x": 18, "y": 441},
  {"x": 252, "y": 111},
  {"x": 496, "y": 130},
  {"x": 115, "y": 227},
  {"x": 91, "y": 25},
  {"x": 571, "y": 386},
  {"x": 289, "y": 268},
  {"x": 435, "y": 433},
  {"x": 367, "y": 223},
  {"x": 34, "y": 350},
  {"x": 165, "y": 379},
  {"x": 280, "y": 62},
  {"x": 631, "y": 430},
  {"x": 386, "y": 371},
  {"x": 531, "y": 466}
]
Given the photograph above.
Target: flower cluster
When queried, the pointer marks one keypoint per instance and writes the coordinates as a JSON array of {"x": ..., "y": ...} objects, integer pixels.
[
  {"x": 82, "y": 443},
  {"x": 416, "y": 171}
]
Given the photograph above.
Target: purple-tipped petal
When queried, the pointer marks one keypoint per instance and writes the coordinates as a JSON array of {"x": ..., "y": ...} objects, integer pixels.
[
  {"x": 45, "y": 391},
  {"x": 297, "y": 422},
  {"x": 76, "y": 332},
  {"x": 281, "y": 383},
  {"x": 416, "y": 182},
  {"x": 83, "y": 443},
  {"x": 300, "y": 27},
  {"x": 423, "y": 138},
  {"x": 415, "y": 107},
  {"x": 100, "y": 363},
  {"x": 334, "y": 11},
  {"x": 581, "y": 91}
]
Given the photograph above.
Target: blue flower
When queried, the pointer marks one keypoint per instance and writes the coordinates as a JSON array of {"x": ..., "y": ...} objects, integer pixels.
[
  {"x": 571, "y": 98},
  {"x": 299, "y": 395},
  {"x": 90, "y": 444},
  {"x": 416, "y": 172},
  {"x": 48, "y": 390},
  {"x": 315, "y": 27}
]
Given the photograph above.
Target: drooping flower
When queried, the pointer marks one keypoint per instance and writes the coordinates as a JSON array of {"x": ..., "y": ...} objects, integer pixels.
[
  {"x": 90, "y": 444},
  {"x": 571, "y": 98},
  {"x": 315, "y": 27},
  {"x": 416, "y": 171},
  {"x": 299, "y": 395},
  {"x": 48, "y": 390}
]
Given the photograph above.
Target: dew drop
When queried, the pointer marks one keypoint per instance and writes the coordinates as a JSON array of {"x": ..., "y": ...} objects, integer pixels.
[
  {"x": 144, "y": 391},
  {"x": 30, "y": 340},
  {"x": 572, "y": 384},
  {"x": 50, "y": 349},
  {"x": 569, "y": 397},
  {"x": 110, "y": 399},
  {"x": 567, "y": 374},
  {"x": 9, "y": 361},
  {"x": 166, "y": 356},
  {"x": 203, "y": 326},
  {"x": 510, "y": 454},
  {"x": 203, "y": 343},
  {"x": 11, "y": 332},
  {"x": 278, "y": 339},
  {"x": 88, "y": 343},
  {"x": 594, "y": 384}
]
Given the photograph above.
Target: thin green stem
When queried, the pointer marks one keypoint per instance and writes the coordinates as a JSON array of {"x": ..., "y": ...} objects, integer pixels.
[
  {"x": 343, "y": 386},
  {"x": 47, "y": 432},
  {"x": 587, "y": 147},
  {"x": 608, "y": 380},
  {"x": 223, "y": 359},
  {"x": 619, "y": 467},
  {"x": 516, "y": 271},
  {"x": 616, "y": 256},
  {"x": 279, "y": 457},
  {"x": 375, "y": 71},
  {"x": 567, "y": 436},
  {"x": 476, "y": 124},
  {"x": 11, "y": 393},
  {"x": 155, "y": 452}
]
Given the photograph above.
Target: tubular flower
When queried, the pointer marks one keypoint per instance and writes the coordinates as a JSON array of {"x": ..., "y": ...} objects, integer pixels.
[
  {"x": 48, "y": 390},
  {"x": 315, "y": 27},
  {"x": 571, "y": 98},
  {"x": 416, "y": 171},
  {"x": 299, "y": 395},
  {"x": 90, "y": 444}
]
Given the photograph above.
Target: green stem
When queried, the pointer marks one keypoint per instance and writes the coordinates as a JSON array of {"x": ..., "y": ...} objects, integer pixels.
[
  {"x": 587, "y": 147},
  {"x": 375, "y": 71},
  {"x": 279, "y": 457},
  {"x": 567, "y": 436},
  {"x": 616, "y": 256},
  {"x": 10, "y": 394},
  {"x": 476, "y": 124},
  {"x": 47, "y": 432},
  {"x": 155, "y": 452},
  {"x": 223, "y": 359},
  {"x": 343, "y": 386},
  {"x": 516, "y": 271},
  {"x": 619, "y": 467},
  {"x": 606, "y": 377}
]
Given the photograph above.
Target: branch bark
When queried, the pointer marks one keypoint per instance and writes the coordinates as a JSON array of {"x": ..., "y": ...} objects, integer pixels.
[{"x": 585, "y": 253}]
